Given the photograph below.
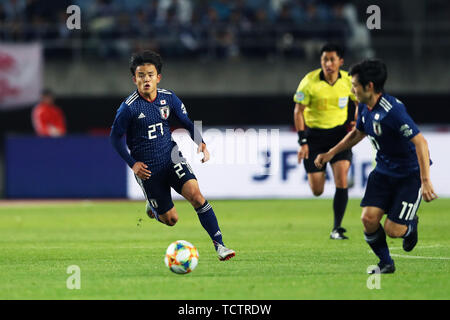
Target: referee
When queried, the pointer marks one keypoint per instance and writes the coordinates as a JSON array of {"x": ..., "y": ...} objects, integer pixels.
[{"x": 320, "y": 115}]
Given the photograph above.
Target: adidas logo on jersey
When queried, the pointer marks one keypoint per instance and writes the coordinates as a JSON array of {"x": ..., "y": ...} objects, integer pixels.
[{"x": 141, "y": 116}]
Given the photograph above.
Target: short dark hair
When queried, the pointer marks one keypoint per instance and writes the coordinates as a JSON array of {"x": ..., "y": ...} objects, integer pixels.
[
  {"x": 330, "y": 47},
  {"x": 370, "y": 70},
  {"x": 143, "y": 57}
]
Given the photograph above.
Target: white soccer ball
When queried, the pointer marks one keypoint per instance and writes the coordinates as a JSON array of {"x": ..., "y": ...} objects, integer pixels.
[{"x": 181, "y": 257}]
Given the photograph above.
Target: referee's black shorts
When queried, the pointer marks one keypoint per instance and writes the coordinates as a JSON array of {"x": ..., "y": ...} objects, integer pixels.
[{"x": 322, "y": 140}]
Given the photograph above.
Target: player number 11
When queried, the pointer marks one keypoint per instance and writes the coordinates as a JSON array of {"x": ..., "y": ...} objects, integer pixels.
[
  {"x": 153, "y": 129},
  {"x": 406, "y": 205}
]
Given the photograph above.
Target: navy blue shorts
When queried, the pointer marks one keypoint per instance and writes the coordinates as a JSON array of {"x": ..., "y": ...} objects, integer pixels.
[
  {"x": 157, "y": 188},
  {"x": 322, "y": 140},
  {"x": 398, "y": 197}
]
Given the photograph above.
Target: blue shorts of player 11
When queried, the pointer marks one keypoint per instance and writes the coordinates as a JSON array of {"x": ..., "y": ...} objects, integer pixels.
[
  {"x": 289, "y": 164},
  {"x": 399, "y": 197}
]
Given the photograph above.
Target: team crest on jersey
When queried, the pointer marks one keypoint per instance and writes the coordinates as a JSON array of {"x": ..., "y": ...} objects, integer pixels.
[
  {"x": 164, "y": 111},
  {"x": 377, "y": 128}
]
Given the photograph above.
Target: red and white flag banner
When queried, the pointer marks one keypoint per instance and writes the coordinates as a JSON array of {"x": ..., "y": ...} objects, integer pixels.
[{"x": 21, "y": 75}]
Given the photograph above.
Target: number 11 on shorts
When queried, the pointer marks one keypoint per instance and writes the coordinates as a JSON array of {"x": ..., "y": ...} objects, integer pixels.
[{"x": 405, "y": 205}]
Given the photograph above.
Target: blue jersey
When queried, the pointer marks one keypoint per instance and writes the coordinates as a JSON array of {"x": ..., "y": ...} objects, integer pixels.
[
  {"x": 146, "y": 125},
  {"x": 390, "y": 129}
]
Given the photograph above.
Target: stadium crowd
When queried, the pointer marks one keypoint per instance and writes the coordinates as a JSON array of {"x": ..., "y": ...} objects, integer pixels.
[{"x": 180, "y": 28}]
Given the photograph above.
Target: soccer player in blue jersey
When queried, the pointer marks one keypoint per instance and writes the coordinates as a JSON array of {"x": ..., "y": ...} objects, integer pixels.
[
  {"x": 402, "y": 174},
  {"x": 154, "y": 156}
]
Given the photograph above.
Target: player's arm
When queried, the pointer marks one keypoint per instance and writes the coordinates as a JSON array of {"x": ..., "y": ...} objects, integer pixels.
[
  {"x": 299, "y": 122},
  {"x": 353, "y": 123},
  {"x": 423, "y": 157},
  {"x": 302, "y": 100},
  {"x": 181, "y": 113},
  {"x": 352, "y": 138},
  {"x": 353, "y": 98},
  {"x": 118, "y": 130}
]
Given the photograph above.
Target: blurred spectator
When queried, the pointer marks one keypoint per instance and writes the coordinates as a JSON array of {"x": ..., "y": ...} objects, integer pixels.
[
  {"x": 176, "y": 28},
  {"x": 260, "y": 41},
  {"x": 14, "y": 10},
  {"x": 359, "y": 39},
  {"x": 47, "y": 118},
  {"x": 178, "y": 10},
  {"x": 223, "y": 8}
]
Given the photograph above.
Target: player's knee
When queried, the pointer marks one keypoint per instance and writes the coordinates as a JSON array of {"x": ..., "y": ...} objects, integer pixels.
[
  {"x": 369, "y": 220},
  {"x": 317, "y": 192},
  {"x": 171, "y": 220}
]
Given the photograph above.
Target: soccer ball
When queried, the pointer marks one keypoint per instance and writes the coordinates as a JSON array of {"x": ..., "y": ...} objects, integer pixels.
[{"x": 181, "y": 257}]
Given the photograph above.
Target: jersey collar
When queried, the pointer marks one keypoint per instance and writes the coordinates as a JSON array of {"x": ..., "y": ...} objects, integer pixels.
[
  {"x": 322, "y": 77},
  {"x": 377, "y": 105},
  {"x": 151, "y": 101}
]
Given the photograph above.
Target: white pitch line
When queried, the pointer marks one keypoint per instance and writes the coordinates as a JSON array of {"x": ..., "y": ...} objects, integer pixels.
[
  {"x": 419, "y": 257},
  {"x": 418, "y": 247},
  {"x": 77, "y": 248}
]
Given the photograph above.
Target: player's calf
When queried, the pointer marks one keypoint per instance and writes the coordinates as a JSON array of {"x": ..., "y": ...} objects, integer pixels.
[
  {"x": 316, "y": 182},
  {"x": 191, "y": 192},
  {"x": 196, "y": 199},
  {"x": 394, "y": 230}
]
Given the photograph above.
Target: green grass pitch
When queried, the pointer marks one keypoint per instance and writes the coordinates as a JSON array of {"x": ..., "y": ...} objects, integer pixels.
[{"x": 283, "y": 252}]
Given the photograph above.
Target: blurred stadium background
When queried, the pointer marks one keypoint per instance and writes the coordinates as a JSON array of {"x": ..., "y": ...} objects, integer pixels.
[{"x": 234, "y": 63}]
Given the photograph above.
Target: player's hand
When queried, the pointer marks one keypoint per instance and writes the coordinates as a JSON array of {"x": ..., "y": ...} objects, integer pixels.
[
  {"x": 428, "y": 192},
  {"x": 303, "y": 153},
  {"x": 322, "y": 159},
  {"x": 140, "y": 169},
  {"x": 202, "y": 148}
]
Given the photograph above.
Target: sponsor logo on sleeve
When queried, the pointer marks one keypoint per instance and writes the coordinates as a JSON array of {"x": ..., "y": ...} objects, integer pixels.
[
  {"x": 183, "y": 108},
  {"x": 299, "y": 96},
  {"x": 406, "y": 131}
]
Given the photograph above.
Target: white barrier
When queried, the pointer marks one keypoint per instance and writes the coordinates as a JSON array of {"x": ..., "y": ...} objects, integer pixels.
[{"x": 240, "y": 168}]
